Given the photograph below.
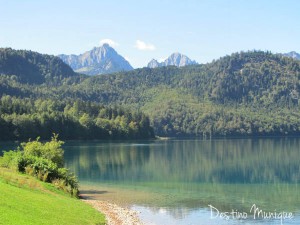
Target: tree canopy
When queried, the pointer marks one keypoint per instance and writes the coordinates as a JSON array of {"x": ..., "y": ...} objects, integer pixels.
[{"x": 246, "y": 93}]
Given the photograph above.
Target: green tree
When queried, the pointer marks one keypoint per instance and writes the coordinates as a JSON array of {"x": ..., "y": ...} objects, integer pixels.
[{"x": 51, "y": 150}]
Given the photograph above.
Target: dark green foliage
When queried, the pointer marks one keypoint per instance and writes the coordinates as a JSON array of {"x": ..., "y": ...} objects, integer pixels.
[
  {"x": 246, "y": 93},
  {"x": 256, "y": 77},
  {"x": 32, "y": 67},
  {"x": 22, "y": 119}
]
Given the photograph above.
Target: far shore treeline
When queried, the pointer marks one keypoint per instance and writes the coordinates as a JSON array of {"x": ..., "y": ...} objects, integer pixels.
[
  {"x": 251, "y": 93},
  {"x": 22, "y": 119}
]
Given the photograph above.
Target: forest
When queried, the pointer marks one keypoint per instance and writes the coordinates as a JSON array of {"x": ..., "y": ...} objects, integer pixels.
[
  {"x": 252, "y": 93},
  {"x": 23, "y": 119}
]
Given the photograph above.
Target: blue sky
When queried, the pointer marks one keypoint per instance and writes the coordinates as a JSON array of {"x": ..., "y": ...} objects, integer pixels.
[{"x": 142, "y": 30}]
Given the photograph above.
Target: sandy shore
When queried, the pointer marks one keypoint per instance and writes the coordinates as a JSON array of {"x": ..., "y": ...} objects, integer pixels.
[{"x": 115, "y": 215}]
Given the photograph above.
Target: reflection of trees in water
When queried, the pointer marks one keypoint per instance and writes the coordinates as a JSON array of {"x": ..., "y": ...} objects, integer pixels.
[
  {"x": 230, "y": 161},
  {"x": 227, "y": 174},
  {"x": 224, "y": 161},
  {"x": 112, "y": 162}
]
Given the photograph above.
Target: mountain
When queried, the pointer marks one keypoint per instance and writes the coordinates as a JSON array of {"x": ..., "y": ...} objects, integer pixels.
[
  {"x": 243, "y": 94},
  {"x": 179, "y": 60},
  {"x": 153, "y": 64},
  {"x": 99, "y": 60},
  {"x": 33, "y": 67},
  {"x": 293, "y": 55},
  {"x": 176, "y": 59},
  {"x": 246, "y": 93}
]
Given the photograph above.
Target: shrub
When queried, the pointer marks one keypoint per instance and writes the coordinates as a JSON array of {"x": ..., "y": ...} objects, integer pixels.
[
  {"x": 47, "y": 171},
  {"x": 38, "y": 167},
  {"x": 44, "y": 161},
  {"x": 10, "y": 159},
  {"x": 50, "y": 150}
]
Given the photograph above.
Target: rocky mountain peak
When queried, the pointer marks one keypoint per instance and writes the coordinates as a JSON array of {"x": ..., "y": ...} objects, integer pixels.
[
  {"x": 153, "y": 63},
  {"x": 175, "y": 59},
  {"x": 99, "y": 60},
  {"x": 293, "y": 55}
]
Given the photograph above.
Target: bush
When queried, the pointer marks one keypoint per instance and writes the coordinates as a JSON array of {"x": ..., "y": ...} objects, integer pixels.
[
  {"x": 50, "y": 150},
  {"x": 10, "y": 159},
  {"x": 37, "y": 166},
  {"x": 44, "y": 161}
]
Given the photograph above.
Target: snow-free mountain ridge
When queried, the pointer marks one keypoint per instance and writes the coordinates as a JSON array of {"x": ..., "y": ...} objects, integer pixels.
[
  {"x": 176, "y": 59},
  {"x": 99, "y": 60},
  {"x": 293, "y": 55}
]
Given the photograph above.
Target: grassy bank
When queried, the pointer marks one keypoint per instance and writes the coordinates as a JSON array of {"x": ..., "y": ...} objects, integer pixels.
[{"x": 26, "y": 200}]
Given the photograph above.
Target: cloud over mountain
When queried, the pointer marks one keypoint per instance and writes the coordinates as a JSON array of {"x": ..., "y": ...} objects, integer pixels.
[
  {"x": 144, "y": 46},
  {"x": 109, "y": 42}
]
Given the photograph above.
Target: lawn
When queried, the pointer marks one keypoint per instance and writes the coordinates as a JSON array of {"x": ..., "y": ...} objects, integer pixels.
[{"x": 25, "y": 200}]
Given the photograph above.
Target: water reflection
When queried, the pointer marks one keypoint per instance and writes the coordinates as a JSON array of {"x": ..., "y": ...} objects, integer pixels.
[
  {"x": 217, "y": 161},
  {"x": 183, "y": 177}
]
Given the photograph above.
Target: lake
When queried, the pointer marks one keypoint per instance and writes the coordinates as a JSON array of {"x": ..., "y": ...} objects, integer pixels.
[{"x": 218, "y": 181}]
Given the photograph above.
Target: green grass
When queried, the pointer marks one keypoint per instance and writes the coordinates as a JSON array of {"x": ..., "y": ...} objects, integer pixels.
[{"x": 25, "y": 200}]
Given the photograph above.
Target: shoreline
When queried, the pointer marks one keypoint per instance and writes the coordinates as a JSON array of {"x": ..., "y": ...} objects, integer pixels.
[{"x": 114, "y": 214}]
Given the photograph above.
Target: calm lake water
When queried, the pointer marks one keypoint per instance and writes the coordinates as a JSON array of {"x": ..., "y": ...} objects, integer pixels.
[
  {"x": 174, "y": 182},
  {"x": 194, "y": 181}
]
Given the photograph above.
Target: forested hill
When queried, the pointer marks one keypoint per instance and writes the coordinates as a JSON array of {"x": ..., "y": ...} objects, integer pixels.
[
  {"x": 259, "y": 78},
  {"x": 255, "y": 77},
  {"x": 32, "y": 67},
  {"x": 246, "y": 93}
]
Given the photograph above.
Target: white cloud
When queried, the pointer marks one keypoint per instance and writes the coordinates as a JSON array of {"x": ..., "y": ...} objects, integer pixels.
[
  {"x": 110, "y": 42},
  {"x": 162, "y": 59},
  {"x": 144, "y": 46}
]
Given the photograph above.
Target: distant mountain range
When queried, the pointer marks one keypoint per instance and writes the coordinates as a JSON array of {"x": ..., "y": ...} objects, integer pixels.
[
  {"x": 99, "y": 60},
  {"x": 176, "y": 59},
  {"x": 104, "y": 60},
  {"x": 293, "y": 55}
]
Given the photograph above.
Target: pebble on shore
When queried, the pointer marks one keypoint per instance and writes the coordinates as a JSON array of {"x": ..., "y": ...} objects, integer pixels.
[{"x": 115, "y": 215}]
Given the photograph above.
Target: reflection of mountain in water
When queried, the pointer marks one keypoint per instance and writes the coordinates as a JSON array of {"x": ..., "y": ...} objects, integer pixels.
[{"x": 217, "y": 161}]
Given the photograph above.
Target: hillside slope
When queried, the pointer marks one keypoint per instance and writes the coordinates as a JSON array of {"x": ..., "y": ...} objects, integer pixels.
[
  {"x": 25, "y": 200},
  {"x": 32, "y": 67},
  {"x": 246, "y": 93}
]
